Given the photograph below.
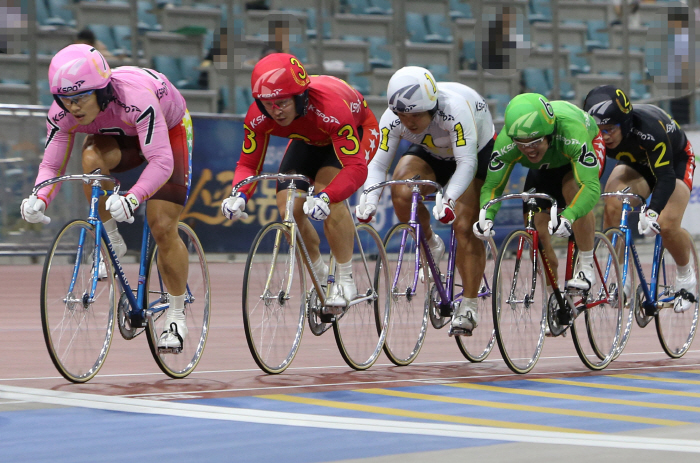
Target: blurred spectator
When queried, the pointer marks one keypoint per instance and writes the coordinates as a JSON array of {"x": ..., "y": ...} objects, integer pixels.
[
  {"x": 503, "y": 49},
  {"x": 13, "y": 24},
  {"x": 87, "y": 37},
  {"x": 633, "y": 15}
]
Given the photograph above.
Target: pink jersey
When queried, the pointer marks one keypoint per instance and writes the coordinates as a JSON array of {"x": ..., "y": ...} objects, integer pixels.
[{"x": 147, "y": 105}]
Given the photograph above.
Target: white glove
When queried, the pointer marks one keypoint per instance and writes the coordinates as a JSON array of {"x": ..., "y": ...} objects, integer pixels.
[
  {"x": 561, "y": 229},
  {"x": 32, "y": 210},
  {"x": 122, "y": 207},
  {"x": 366, "y": 214},
  {"x": 487, "y": 232},
  {"x": 318, "y": 207},
  {"x": 648, "y": 224},
  {"x": 444, "y": 210},
  {"x": 233, "y": 207}
]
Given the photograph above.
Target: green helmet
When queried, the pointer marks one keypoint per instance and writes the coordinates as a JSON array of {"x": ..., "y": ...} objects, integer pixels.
[{"x": 529, "y": 115}]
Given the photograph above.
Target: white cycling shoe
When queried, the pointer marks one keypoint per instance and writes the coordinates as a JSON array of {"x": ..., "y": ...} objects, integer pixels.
[
  {"x": 120, "y": 250},
  {"x": 687, "y": 283},
  {"x": 584, "y": 278},
  {"x": 343, "y": 292},
  {"x": 174, "y": 335},
  {"x": 465, "y": 318},
  {"x": 437, "y": 250}
]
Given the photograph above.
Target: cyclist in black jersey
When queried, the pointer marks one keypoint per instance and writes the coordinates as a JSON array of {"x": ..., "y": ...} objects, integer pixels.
[{"x": 654, "y": 158}]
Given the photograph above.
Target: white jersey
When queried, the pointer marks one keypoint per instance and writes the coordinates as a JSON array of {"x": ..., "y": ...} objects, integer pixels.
[{"x": 461, "y": 126}]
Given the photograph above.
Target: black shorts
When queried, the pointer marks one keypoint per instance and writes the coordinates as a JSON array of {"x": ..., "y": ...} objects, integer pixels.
[
  {"x": 547, "y": 181},
  {"x": 445, "y": 168},
  {"x": 302, "y": 158}
]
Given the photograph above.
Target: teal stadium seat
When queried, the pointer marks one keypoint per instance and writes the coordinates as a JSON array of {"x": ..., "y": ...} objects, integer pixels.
[
  {"x": 61, "y": 9},
  {"x": 379, "y": 54},
  {"x": 595, "y": 37},
  {"x": 416, "y": 28},
  {"x": 45, "y": 17},
  {"x": 459, "y": 9},
  {"x": 122, "y": 38},
  {"x": 103, "y": 33},
  {"x": 438, "y": 29},
  {"x": 540, "y": 10},
  {"x": 535, "y": 80}
]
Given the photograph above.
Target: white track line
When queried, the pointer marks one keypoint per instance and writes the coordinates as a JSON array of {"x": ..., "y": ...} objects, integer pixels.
[{"x": 122, "y": 404}]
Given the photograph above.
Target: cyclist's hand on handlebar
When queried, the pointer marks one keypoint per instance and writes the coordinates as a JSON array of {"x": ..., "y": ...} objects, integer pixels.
[
  {"x": 561, "y": 229},
  {"x": 365, "y": 214},
  {"x": 122, "y": 207},
  {"x": 444, "y": 210},
  {"x": 32, "y": 210},
  {"x": 487, "y": 232},
  {"x": 318, "y": 207},
  {"x": 648, "y": 223},
  {"x": 233, "y": 207}
]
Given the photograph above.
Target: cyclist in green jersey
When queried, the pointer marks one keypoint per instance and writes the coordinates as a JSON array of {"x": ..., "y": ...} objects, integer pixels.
[{"x": 562, "y": 147}]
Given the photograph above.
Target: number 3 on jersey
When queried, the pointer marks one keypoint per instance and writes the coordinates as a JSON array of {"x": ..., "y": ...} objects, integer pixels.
[
  {"x": 249, "y": 137},
  {"x": 351, "y": 137}
]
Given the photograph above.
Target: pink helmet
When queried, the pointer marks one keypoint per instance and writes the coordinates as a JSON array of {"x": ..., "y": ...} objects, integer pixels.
[{"x": 78, "y": 68}]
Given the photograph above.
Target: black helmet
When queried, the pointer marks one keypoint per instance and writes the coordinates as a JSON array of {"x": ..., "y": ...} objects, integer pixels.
[{"x": 609, "y": 105}]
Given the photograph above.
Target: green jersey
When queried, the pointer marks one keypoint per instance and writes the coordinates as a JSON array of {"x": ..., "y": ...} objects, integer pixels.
[{"x": 572, "y": 143}]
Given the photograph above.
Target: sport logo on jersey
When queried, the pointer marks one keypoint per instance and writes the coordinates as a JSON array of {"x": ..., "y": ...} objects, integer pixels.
[
  {"x": 495, "y": 163},
  {"x": 274, "y": 94},
  {"x": 401, "y": 98}
]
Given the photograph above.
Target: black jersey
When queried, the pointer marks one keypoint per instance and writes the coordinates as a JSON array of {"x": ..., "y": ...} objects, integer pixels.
[{"x": 656, "y": 145}]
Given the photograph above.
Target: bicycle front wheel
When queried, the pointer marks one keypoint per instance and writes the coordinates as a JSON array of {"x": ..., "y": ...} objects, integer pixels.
[
  {"x": 478, "y": 346},
  {"x": 409, "y": 317},
  {"x": 629, "y": 293},
  {"x": 274, "y": 298},
  {"x": 520, "y": 302},
  {"x": 197, "y": 307},
  {"x": 360, "y": 331},
  {"x": 676, "y": 329},
  {"x": 602, "y": 319},
  {"x": 77, "y": 312}
]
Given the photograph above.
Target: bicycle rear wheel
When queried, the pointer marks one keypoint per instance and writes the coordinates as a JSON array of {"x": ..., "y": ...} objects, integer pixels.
[
  {"x": 603, "y": 312},
  {"x": 520, "y": 302},
  {"x": 617, "y": 238},
  {"x": 478, "y": 346},
  {"x": 78, "y": 328},
  {"x": 197, "y": 306},
  {"x": 409, "y": 317},
  {"x": 360, "y": 331},
  {"x": 274, "y": 298},
  {"x": 676, "y": 330}
]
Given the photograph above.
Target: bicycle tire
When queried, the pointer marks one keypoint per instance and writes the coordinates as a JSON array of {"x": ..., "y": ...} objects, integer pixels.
[
  {"x": 676, "y": 330},
  {"x": 478, "y": 346},
  {"x": 602, "y": 321},
  {"x": 628, "y": 281},
  {"x": 197, "y": 308},
  {"x": 360, "y": 331},
  {"x": 274, "y": 325},
  {"x": 78, "y": 332},
  {"x": 519, "y": 321},
  {"x": 409, "y": 316}
]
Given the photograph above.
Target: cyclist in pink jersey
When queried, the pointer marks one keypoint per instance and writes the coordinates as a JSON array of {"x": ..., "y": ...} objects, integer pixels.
[{"x": 131, "y": 115}]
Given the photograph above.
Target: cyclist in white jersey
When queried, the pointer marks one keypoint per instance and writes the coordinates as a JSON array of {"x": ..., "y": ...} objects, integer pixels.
[{"x": 452, "y": 133}]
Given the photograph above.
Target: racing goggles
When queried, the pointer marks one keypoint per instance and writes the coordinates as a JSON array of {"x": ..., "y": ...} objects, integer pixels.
[
  {"x": 611, "y": 130},
  {"x": 279, "y": 104},
  {"x": 77, "y": 99},
  {"x": 529, "y": 144}
]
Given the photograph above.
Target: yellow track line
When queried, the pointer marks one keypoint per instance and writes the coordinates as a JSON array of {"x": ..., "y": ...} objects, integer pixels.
[
  {"x": 617, "y": 387},
  {"x": 581, "y": 398},
  {"x": 526, "y": 408},
  {"x": 661, "y": 380},
  {"x": 419, "y": 415}
]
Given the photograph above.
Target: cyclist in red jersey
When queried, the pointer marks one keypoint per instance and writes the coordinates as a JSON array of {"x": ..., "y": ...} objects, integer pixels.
[{"x": 333, "y": 135}]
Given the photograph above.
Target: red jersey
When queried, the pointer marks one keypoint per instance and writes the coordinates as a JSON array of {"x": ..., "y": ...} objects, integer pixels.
[{"x": 334, "y": 113}]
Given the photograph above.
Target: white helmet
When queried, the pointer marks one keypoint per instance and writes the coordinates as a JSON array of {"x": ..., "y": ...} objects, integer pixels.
[{"x": 412, "y": 89}]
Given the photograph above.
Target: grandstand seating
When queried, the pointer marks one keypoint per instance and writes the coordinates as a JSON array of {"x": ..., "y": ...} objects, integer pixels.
[{"x": 361, "y": 41}]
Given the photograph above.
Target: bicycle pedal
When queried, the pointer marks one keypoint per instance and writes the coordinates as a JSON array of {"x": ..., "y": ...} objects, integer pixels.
[{"x": 454, "y": 331}]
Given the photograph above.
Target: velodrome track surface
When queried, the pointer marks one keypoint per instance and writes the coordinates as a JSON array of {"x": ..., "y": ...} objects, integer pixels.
[{"x": 643, "y": 407}]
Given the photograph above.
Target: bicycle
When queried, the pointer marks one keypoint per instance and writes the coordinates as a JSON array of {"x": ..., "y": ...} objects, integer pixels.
[
  {"x": 416, "y": 298},
  {"x": 522, "y": 311},
  {"x": 275, "y": 305},
  {"x": 78, "y": 305},
  {"x": 647, "y": 301}
]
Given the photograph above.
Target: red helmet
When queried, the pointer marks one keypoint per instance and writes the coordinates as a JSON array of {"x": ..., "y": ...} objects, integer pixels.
[{"x": 277, "y": 76}]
